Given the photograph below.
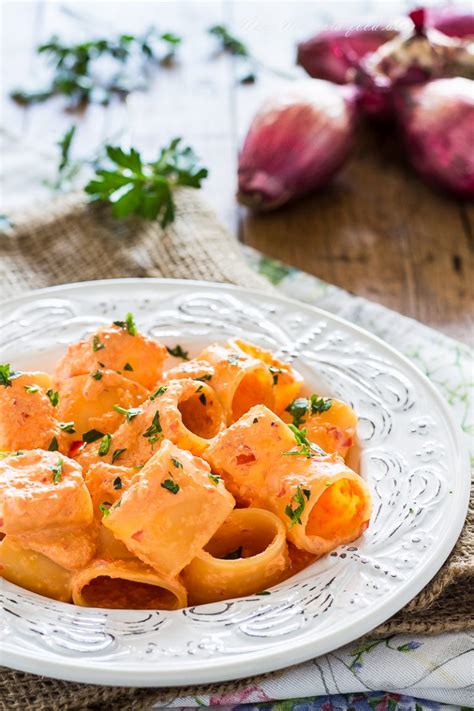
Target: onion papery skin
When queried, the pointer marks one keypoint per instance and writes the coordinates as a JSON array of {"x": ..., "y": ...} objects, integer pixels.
[
  {"x": 297, "y": 141},
  {"x": 333, "y": 55},
  {"x": 436, "y": 122}
]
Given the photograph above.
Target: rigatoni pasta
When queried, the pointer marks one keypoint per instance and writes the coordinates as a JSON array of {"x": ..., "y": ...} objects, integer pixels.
[{"x": 139, "y": 484}]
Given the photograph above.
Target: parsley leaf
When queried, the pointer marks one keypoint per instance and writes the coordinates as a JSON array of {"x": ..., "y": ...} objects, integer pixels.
[
  {"x": 129, "y": 324},
  {"x": 74, "y": 66},
  {"x": 295, "y": 512},
  {"x": 319, "y": 404},
  {"x": 170, "y": 485},
  {"x": 202, "y": 399},
  {"x": 96, "y": 344},
  {"x": 133, "y": 186},
  {"x": 229, "y": 42},
  {"x": 97, "y": 375},
  {"x": 32, "y": 389},
  {"x": 67, "y": 427},
  {"x": 53, "y": 396},
  {"x": 7, "y": 375},
  {"x": 104, "y": 445},
  {"x": 92, "y": 436},
  {"x": 53, "y": 445},
  {"x": 178, "y": 352},
  {"x": 154, "y": 429},
  {"x": 305, "y": 447},
  {"x": 129, "y": 414},
  {"x": 207, "y": 377},
  {"x": 159, "y": 391},
  {"x": 116, "y": 454},
  {"x": 57, "y": 471},
  {"x": 298, "y": 409},
  {"x": 127, "y": 366},
  {"x": 117, "y": 483},
  {"x": 275, "y": 372},
  {"x": 177, "y": 463},
  {"x": 214, "y": 478},
  {"x": 104, "y": 508}
]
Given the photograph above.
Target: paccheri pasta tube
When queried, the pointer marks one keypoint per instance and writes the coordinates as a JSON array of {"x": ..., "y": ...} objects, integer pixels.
[
  {"x": 321, "y": 501},
  {"x": 287, "y": 382},
  {"x": 170, "y": 511},
  {"x": 247, "y": 553},
  {"x": 126, "y": 584},
  {"x": 240, "y": 381}
]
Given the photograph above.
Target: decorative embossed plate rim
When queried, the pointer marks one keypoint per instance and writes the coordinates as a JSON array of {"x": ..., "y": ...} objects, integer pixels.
[{"x": 408, "y": 438}]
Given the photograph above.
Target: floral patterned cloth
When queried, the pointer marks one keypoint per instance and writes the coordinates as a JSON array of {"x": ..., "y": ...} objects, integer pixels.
[{"x": 427, "y": 673}]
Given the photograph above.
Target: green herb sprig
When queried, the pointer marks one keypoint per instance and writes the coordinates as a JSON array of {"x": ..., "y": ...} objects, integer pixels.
[
  {"x": 296, "y": 507},
  {"x": 133, "y": 186},
  {"x": 305, "y": 447},
  {"x": 75, "y": 74}
]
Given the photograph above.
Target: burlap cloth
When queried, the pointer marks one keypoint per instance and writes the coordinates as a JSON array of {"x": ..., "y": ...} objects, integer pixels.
[{"x": 71, "y": 242}]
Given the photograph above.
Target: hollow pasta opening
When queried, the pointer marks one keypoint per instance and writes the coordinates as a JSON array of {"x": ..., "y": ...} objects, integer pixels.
[
  {"x": 237, "y": 539},
  {"x": 120, "y": 593},
  {"x": 201, "y": 414},
  {"x": 254, "y": 389},
  {"x": 337, "y": 512}
]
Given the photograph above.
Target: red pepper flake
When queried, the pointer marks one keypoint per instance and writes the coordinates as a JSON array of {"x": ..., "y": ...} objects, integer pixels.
[
  {"x": 75, "y": 448},
  {"x": 245, "y": 458},
  {"x": 138, "y": 535}
]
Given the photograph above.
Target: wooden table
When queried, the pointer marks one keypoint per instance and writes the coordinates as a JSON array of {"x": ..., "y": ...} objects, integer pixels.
[{"x": 377, "y": 231}]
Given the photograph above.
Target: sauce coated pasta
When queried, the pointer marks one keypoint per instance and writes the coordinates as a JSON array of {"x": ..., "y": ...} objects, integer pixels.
[{"x": 130, "y": 479}]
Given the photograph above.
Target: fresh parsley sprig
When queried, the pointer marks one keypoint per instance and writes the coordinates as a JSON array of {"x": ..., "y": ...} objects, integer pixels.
[
  {"x": 297, "y": 505},
  {"x": 133, "y": 186},
  {"x": 75, "y": 74},
  {"x": 303, "y": 406},
  {"x": 305, "y": 447}
]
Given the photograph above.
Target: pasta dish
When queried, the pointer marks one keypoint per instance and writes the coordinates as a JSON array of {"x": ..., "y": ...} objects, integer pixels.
[{"x": 136, "y": 477}]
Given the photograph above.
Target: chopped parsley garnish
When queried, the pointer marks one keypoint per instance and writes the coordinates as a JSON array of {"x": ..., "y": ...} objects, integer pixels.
[
  {"x": 129, "y": 324},
  {"x": 319, "y": 404},
  {"x": 104, "y": 508},
  {"x": 159, "y": 391},
  {"x": 116, "y": 454},
  {"x": 206, "y": 376},
  {"x": 275, "y": 372},
  {"x": 97, "y": 375},
  {"x": 31, "y": 389},
  {"x": 92, "y": 436},
  {"x": 154, "y": 429},
  {"x": 53, "y": 396},
  {"x": 255, "y": 420},
  {"x": 178, "y": 352},
  {"x": 233, "y": 359},
  {"x": 170, "y": 485},
  {"x": 299, "y": 500},
  {"x": 96, "y": 344},
  {"x": 202, "y": 399},
  {"x": 177, "y": 463},
  {"x": 214, "y": 478},
  {"x": 263, "y": 592},
  {"x": 67, "y": 427},
  {"x": 129, "y": 414},
  {"x": 7, "y": 375},
  {"x": 57, "y": 471},
  {"x": 127, "y": 366},
  {"x": 53, "y": 445},
  {"x": 303, "y": 406},
  {"x": 104, "y": 445},
  {"x": 117, "y": 483},
  {"x": 233, "y": 555},
  {"x": 298, "y": 409},
  {"x": 305, "y": 447}
]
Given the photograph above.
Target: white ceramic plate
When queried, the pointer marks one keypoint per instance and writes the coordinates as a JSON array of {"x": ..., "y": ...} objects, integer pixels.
[{"x": 410, "y": 453}]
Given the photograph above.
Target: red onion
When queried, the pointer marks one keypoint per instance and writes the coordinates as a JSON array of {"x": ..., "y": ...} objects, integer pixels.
[
  {"x": 451, "y": 22},
  {"x": 437, "y": 125},
  {"x": 295, "y": 143},
  {"x": 334, "y": 55}
]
